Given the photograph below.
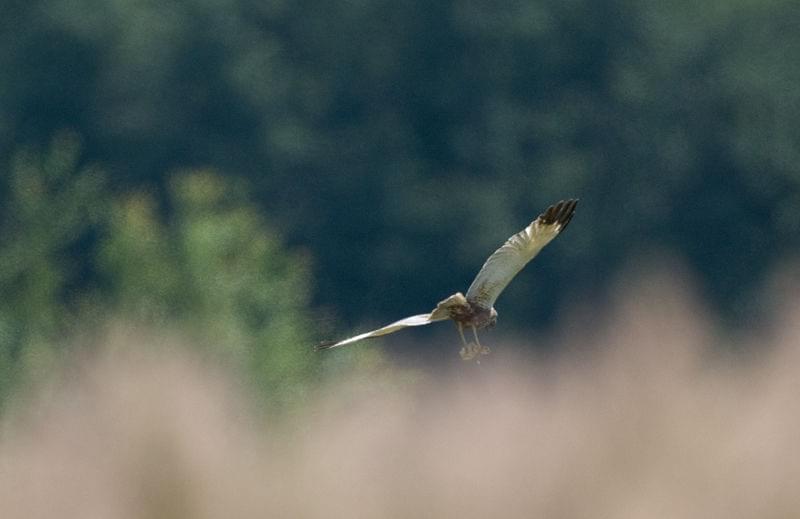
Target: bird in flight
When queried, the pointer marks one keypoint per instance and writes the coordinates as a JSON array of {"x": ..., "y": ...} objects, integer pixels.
[{"x": 476, "y": 309}]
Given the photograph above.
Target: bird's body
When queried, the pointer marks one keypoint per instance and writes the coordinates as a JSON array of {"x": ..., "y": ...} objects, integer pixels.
[
  {"x": 470, "y": 315},
  {"x": 476, "y": 309}
]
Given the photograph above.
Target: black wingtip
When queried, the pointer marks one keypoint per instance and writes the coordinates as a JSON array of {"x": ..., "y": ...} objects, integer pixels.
[
  {"x": 324, "y": 345},
  {"x": 560, "y": 213},
  {"x": 568, "y": 213}
]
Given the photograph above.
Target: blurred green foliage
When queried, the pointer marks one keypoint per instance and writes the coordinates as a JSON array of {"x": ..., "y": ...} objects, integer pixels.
[
  {"x": 398, "y": 143},
  {"x": 51, "y": 207},
  {"x": 75, "y": 255},
  {"x": 216, "y": 270}
]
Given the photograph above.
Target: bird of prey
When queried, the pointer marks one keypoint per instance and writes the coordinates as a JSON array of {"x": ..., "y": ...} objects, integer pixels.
[{"x": 476, "y": 309}]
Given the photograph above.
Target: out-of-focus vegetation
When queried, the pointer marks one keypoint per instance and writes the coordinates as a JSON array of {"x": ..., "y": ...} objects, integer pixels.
[
  {"x": 76, "y": 254},
  {"x": 647, "y": 417},
  {"x": 222, "y": 165}
]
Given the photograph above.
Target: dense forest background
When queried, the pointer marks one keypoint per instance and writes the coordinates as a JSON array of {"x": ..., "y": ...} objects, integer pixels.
[{"x": 266, "y": 174}]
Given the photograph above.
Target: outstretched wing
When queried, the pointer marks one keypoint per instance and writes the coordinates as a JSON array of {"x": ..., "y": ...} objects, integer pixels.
[
  {"x": 508, "y": 260},
  {"x": 414, "y": 320}
]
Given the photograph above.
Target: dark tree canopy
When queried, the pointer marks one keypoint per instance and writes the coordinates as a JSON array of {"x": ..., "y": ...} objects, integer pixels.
[{"x": 369, "y": 134}]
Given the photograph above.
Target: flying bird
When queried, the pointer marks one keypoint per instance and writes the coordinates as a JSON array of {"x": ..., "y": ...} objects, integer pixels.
[{"x": 476, "y": 309}]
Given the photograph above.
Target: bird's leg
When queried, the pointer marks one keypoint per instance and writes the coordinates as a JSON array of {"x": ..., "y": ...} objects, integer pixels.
[
  {"x": 468, "y": 351},
  {"x": 475, "y": 333},
  {"x": 461, "y": 333},
  {"x": 483, "y": 350},
  {"x": 472, "y": 349}
]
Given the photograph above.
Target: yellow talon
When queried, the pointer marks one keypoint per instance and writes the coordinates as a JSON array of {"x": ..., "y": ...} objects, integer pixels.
[{"x": 472, "y": 350}]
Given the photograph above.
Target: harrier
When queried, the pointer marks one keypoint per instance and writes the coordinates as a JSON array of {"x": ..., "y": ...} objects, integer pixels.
[{"x": 476, "y": 309}]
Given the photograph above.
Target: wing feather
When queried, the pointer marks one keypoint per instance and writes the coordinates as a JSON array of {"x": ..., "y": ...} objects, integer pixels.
[
  {"x": 414, "y": 320},
  {"x": 517, "y": 251}
]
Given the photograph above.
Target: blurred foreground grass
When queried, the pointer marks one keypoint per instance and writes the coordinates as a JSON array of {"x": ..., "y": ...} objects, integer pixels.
[{"x": 644, "y": 415}]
